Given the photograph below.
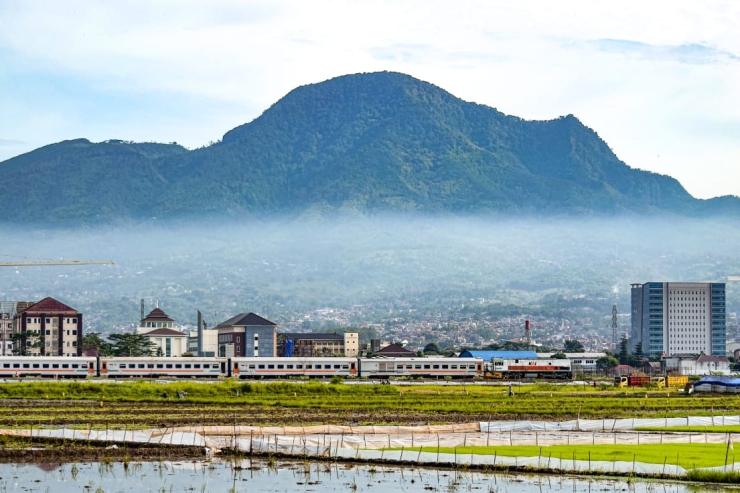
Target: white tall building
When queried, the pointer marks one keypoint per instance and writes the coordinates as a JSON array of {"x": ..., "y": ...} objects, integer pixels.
[{"x": 679, "y": 318}]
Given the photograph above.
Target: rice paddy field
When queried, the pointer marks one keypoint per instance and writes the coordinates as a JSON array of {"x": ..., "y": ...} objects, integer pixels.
[
  {"x": 153, "y": 404},
  {"x": 688, "y": 456}
]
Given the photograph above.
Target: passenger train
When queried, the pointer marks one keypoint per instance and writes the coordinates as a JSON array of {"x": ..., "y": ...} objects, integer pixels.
[{"x": 250, "y": 368}]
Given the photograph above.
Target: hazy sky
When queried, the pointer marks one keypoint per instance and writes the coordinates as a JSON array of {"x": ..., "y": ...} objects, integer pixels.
[{"x": 659, "y": 81}]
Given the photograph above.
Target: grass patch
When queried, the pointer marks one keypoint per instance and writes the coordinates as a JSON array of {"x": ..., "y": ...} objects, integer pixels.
[
  {"x": 686, "y": 455},
  {"x": 713, "y": 476},
  {"x": 697, "y": 429},
  {"x": 432, "y": 403}
]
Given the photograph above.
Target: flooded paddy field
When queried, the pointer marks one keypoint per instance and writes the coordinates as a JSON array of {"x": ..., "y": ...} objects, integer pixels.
[{"x": 270, "y": 475}]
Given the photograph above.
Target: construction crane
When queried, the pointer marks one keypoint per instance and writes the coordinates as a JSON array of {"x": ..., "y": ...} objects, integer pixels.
[{"x": 55, "y": 262}]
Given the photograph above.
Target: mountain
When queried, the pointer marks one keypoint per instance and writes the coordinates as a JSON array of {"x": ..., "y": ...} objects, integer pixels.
[{"x": 358, "y": 143}]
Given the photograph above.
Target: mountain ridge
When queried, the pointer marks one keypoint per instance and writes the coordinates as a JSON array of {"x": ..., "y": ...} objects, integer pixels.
[{"x": 359, "y": 143}]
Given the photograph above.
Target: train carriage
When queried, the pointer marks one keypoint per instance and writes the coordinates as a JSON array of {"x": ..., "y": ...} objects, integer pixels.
[
  {"x": 266, "y": 367},
  {"x": 155, "y": 367},
  {"x": 422, "y": 367},
  {"x": 532, "y": 368},
  {"x": 47, "y": 366}
]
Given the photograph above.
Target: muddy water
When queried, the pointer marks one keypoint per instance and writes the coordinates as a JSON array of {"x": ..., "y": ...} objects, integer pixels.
[{"x": 295, "y": 476}]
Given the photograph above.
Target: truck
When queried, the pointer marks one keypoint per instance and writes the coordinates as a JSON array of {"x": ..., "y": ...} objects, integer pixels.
[
  {"x": 678, "y": 381},
  {"x": 638, "y": 380}
]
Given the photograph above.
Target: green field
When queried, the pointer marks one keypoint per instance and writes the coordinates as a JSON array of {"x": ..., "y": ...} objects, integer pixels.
[
  {"x": 695, "y": 429},
  {"x": 313, "y": 402},
  {"x": 688, "y": 456}
]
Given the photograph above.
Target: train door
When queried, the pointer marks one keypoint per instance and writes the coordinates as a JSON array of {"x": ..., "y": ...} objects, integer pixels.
[
  {"x": 223, "y": 368},
  {"x": 103, "y": 367},
  {"x": 479, "y": 368},
  {"x": 90, "y": 368},
  {"x": 353, "y": 368},
  {"x": 235, "y": 368}
]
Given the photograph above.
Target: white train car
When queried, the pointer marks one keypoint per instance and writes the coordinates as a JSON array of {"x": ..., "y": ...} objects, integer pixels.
[
  {"x": 155, "y": 367},
  {"x": 292, "y": 367},
  {"x": 47, "y": 366},
  {"x": 532, "y": 368},
  {"x": 422, "y": 367}
]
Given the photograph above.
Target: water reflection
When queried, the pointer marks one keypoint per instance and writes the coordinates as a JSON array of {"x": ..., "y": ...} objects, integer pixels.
[{"x": 288, "y": 476}]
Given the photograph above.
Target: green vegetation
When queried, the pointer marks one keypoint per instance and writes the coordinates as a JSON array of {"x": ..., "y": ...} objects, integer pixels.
[
  {"x": 443, "y": 403},
  {"x": 695, "y": 429},
  {"x": 686, "y": 455},
  {"x": 713, "y": 476},
  {"x": 364, "y": 142}
]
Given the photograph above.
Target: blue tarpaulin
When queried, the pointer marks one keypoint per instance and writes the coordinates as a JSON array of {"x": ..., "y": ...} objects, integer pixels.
[{"x": 724, "y": 381}]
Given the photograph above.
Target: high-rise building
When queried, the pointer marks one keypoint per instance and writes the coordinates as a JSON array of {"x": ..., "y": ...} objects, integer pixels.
[{"x": 678, "y": 318}]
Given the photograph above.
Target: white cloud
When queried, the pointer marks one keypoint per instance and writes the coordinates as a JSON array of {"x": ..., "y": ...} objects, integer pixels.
[{"x": 647, "y": 76}]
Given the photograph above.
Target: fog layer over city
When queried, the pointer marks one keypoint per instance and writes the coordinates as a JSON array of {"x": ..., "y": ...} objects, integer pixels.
[{"x": 373, "y": 268}]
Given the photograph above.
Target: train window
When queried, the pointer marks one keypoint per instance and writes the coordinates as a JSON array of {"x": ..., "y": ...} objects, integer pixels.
[
  {"x": 299, "y": 367},
  {"x": 55, "y": 365},
  {"x": 261, "y": 367},
  {"x": 65, "y": 365},
  {"x": 122, "y": 365},
  {"x": 188, "y": 365},
  {"x": 214, "y": 365},
  {"x": 498, "y": 363},
  {"x": 436, "y": 367},
  {"x": 196, "y": 365},
  {"x": 327, "y": 367},
  {"x": 6, "y": 365},
  {"x": 45, "y": 365},
  {"x": 336, "y": 367},
  {"x": 308, "y": 367},
  {"x": 142, "y": 365},
  {"x": 472, "y": 367},
  {"x": 418, "y": 367},
  {"x": 281, "y": 367},
  {"x": 426, "y": 367},
  {"x": 453, "y": 367},
  {"x": 16, "y": 365},
  {"x": 178, "y": 365},
  {"x": 168, "y": 365},
  {"x": 150, "y": 365},
  {"x": 160, "y": 365},
  {"x": 35, "y": 365},
  {"x": 445, "y": 367},
  {"x": 290, "y": 367},
  {"x": 270, "y": 367},
  {"x": 345, "y": 367},
  {"x": 251, "y": 367}
]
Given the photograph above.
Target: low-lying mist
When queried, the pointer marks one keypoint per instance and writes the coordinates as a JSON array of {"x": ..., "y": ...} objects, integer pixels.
[{"x": 379, "y": 265}]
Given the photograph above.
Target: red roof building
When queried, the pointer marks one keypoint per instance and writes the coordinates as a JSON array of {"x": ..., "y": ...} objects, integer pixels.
[{"x": 48, "y": 328}]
